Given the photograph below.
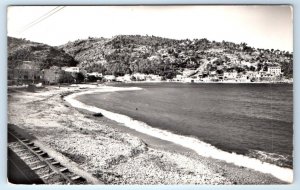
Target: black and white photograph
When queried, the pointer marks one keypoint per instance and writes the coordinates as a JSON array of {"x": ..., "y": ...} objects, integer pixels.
[{"x": 150, "y": 95}]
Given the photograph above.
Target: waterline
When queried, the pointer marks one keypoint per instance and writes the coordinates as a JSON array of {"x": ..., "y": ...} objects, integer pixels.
[{"x": 201, "y": 148}]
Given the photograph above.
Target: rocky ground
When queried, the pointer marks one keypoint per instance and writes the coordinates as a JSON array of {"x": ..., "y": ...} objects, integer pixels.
[{"x": 113, "y": 156}]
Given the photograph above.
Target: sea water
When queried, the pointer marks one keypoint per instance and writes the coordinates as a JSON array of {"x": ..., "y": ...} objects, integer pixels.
[{"x": 253, "y": 120}]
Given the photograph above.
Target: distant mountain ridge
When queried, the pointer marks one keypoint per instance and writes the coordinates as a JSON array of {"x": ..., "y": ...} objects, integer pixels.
[{"x": 127, "y": 54}]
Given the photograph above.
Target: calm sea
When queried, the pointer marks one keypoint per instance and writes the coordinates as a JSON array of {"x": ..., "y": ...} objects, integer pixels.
[{"x": 255, "y": 120}]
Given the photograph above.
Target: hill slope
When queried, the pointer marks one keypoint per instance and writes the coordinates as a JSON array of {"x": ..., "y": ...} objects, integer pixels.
[
  {"x": 38, "y": 55},
  {"x": 167, "y": 57},
  {"x": 126, "y": 54}
]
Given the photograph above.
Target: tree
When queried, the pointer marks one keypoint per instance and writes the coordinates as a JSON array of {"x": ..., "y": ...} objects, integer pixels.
[
  {"x": 259, "y": 66},
  {"x": 92, "y": 78},
  {"x": 252, "y": 68},
  {"x": 220, "y": 72},
  {"x": 239, "y": 69},
  {"x": 287, "y": 69},
  {"x": 65, "y": 77},
  {"x": 79, "y": 77},
  {"x": 133, "y": 78}
]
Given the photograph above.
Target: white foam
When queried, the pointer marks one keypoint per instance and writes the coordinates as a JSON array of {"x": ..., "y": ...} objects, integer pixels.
[{"x": 202, "y": 148}]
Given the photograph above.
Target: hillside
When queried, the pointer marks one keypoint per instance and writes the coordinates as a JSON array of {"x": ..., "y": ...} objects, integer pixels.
[
  {"x": 126, "y": 54},
  {"x": 36, "y": 55}
]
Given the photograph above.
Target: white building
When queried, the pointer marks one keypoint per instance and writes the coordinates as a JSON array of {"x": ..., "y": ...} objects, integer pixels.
[
  {"x": 274, "y": 70},
  {"x": 261, "y": 73},
  {"x": 230, "y": 75},
  {"x": 206, "y": 79},
  {"x": 109, "y": 77},
  {"x": 213, "y": 77},
  {"x": 95, "y": 74},
  {"x": 212, "y": 72},
  {"x": 71, "y": 69},
  {"x": 189, "y": 80},
  {"x": 140, "y": 76},
  {"x": 244, "y": 77},
  {"x": 125, "y": 78},
  {"x": 120, "y": 79},
  {"x": 179, "y": 78},
  {"x": 153, "y": 78},
  {"x": 252, "y": 74},
  {"x": 246, "y": 63}
]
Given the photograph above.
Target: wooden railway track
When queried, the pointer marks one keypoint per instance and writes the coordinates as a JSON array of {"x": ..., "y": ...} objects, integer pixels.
[{"x": 47, "y": 168}]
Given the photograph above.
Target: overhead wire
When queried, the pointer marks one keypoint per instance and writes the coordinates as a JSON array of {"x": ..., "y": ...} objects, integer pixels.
[
  {"x": 29, "y": 24},
  {"x": 41, "y": 18}
]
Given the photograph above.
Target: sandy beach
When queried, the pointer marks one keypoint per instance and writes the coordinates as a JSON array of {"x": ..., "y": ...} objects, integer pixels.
[{"x": 111, "y": 152}]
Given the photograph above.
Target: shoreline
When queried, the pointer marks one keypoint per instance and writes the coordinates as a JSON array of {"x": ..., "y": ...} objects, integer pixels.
[
  {"x": 202, "y": 148},
  {"x": 202, "y": 82},
  {"x": 113, "y": 152}
]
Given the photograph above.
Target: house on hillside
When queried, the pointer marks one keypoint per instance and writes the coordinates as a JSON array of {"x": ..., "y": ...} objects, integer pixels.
[
  {"x": 243, "y": 78},
  {"x": 220, "y": 77},
  {"x": 213, "y": 77},
  {"x": 125, "y": 78},
  {"x": 230, "y": 75},
  {"x": 251, "y": 73},
  {"x": 261, "y": 73},
  {"x": 95, "y": 74},
  {"x": 205, "y": 79},
  {"x": 212, "y": 72},
  {"x": 178, "y": 78},
  {"x": 120, "y": 79},
  {"x": 189, "y": 80},
  {"x": 274, "y": 70},
  {"x": 71, "y": 69},
  {"x": 152, "y": 77},
  {"x": 246, "y": 63},
  {"x": 109, "y": 78}
]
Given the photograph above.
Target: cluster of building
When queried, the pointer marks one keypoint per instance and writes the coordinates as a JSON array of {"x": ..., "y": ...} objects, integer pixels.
[
  {"x": 133, "y": 77},
  {"x": 273, "y": 73},
  {"x": 54, "y": 75},
  {"x": 26, "y": 74}
]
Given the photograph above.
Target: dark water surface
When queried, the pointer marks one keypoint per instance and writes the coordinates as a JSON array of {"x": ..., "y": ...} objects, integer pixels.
[{"x": 250, "y": 119}]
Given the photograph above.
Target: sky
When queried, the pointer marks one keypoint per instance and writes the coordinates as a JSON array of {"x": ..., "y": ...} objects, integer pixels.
[{"x": 269, "y": 27}]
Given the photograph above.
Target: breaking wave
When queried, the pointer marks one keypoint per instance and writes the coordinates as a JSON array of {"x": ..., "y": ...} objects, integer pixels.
[{"x": 200, "y": 147}]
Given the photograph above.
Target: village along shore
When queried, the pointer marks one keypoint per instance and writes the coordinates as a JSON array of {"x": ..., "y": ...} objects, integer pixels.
[{"x": 110, "y": 151}]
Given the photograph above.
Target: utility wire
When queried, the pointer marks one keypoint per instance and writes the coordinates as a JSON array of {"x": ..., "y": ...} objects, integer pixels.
[
  {"x": 41, "y": 18},
  {"x": 44, "y": 15}
]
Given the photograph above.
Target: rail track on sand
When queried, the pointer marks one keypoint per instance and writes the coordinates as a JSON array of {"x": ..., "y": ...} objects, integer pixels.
[{"x": 47, "y": 168}]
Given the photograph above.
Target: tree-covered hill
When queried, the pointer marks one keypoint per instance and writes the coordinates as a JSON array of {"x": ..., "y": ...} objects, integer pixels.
[
  {"x": 40, "y": 56},
  {"x": 127, "y": 54}
]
